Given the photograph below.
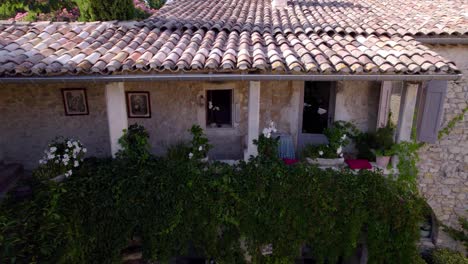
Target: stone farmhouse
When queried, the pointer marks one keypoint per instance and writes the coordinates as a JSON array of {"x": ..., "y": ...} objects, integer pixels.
[{"x": 233, "y": 66}]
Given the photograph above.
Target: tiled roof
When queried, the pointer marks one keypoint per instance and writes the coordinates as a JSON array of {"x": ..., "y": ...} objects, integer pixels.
[
  {"x": 380, "y": 17},
  {"x": 240, "y": 35}
]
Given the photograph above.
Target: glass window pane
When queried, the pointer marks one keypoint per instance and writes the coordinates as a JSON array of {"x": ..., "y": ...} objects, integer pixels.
[
  {"x": 219, "y": 108},
  {"x": 316, "y": 107}
]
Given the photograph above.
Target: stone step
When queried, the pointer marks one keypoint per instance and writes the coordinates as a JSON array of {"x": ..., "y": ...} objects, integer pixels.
[{"x": 9, "y": 174}]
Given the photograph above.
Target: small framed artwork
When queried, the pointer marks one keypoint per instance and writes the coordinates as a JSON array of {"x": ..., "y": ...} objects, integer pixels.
[
  {"x": 138, "y": 104},
  {"x": 75, "y": 101}
]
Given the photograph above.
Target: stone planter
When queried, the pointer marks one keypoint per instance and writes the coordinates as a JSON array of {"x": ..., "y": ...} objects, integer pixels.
[
  {"x": 59, "y": 178},
  {"x": 326, "y": 162},
  {"x": 382, "y": 161}
]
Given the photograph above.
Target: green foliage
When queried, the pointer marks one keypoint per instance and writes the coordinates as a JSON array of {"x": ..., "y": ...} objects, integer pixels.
[
  {"x": 9, "y": 8},
  {"x": 338, "y": 135},
  {"x": 459, "y": 234},
  {"x": 384, "y": 140},
  {"x": 32, "y": 231},
  {"x": 175, "y": 205},
  {"x": 446, "y": 256},
  {"x": 156, "y": 4},
  {"x": 104, "y": 10},
  {"x": 451, "y": 124},
  {"x": 365, "y": 144},
  {"x": 135, "y": 144},
  {"x": 199, "y": 145},
  {"x": 178, "y": 151}
]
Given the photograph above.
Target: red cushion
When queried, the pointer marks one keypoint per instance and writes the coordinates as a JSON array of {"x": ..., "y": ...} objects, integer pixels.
[
  {"x": 290, "y": 161},
  {"x": 359, "y": 164}
]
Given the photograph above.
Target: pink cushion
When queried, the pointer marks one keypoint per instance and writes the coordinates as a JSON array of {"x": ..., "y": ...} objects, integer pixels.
[
  {"x": 290, "y": 161},
  {"x": 359, "y": 164}
]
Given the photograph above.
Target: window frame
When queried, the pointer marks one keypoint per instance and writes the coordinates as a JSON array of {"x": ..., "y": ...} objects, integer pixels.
[
  {"x": 317, "y": 138},
  {"x": 233, "y": 105}
]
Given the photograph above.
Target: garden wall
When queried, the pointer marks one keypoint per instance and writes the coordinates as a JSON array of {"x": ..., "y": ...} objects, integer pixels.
[{"x": 444, "y": 165}]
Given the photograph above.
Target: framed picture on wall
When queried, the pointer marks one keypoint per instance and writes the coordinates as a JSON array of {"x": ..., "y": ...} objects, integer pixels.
[
  {"x": 138, "y": 104},
  {"x": 75, "y": 101}
]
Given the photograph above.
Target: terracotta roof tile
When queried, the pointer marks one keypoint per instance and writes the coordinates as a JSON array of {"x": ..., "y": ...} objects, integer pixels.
[{"x": 319, "y": 36}]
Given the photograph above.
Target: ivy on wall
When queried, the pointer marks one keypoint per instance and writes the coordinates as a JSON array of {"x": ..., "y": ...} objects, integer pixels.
[{"x": 182, "y": 204}]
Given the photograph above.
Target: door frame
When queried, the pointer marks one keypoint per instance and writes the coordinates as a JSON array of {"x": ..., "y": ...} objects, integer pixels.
[{"x": 306, "y": 138}]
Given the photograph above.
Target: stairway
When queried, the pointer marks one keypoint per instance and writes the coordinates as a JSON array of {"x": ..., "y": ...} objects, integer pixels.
[{"x": 9, "y": 175}]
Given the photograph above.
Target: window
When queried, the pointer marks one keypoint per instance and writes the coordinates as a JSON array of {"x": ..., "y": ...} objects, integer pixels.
[
  {"x": 318, "y": 103},
  {"x": 219, "y": 108}
]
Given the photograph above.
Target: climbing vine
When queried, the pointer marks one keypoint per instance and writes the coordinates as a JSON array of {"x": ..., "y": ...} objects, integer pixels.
[{"x": 181, "y": 205}]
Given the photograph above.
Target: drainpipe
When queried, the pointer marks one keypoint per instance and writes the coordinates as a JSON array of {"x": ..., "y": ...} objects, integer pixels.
[{"x": 228, "y": 77}]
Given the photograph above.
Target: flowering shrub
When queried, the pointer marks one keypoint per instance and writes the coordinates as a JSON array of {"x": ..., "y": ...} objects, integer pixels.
[
  {"x": 266, "y": 144},
  {"x": 63, "y": 156},
  {"x": 199, "y": 145},
  {"x": 339, "y": 136}
]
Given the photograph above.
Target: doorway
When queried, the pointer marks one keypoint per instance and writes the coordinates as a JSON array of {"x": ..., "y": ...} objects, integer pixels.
[{"x": 317, "y": 111}]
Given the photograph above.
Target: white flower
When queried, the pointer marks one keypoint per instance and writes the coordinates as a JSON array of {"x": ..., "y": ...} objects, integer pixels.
[
  {"x": 200, "y": 148},
  {"x": 76, "y": 164},
  {"x": 56, "y": 162},
  {"x": 53, "y": 149},
  {"x": 69, "y": 144},
  {"x": 321, "y": 153},
  {"x": 66, "y": 150},
  {"x": 65, "y": 162},
  {"x": 84, "y": 150},
  {"x": 190, "y": 155},
  {"x": 66, "y": 157},
  {"x": 41, "y": 161},
  {"x": 341, "y": 155},
  {"x": 50, "y": 156},
  {"x": 216, "y": 108},
  {"x": 68, "y": 173},
  {"x": 339, "y": 150},
  {"x": 210, "y": 105},
  {"x": 343, "y": 137},
  {"x": 267, "y": 132}
]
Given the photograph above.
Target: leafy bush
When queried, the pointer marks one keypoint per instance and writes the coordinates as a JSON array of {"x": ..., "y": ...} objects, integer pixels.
[
  {"x": 135, "y": 144},
  {"x": 446, "y": 256},
  {"x": 175, "y": 205},
  {"x": 104, "y": 10},
  {"x": 384, "y": 140},
  {"x": 338, "y": 136},
  {"x": 156, "y": 4}
]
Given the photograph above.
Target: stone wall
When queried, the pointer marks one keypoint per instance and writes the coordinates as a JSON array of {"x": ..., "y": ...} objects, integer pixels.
[
  {"x": 279, "y": 102},
  {"x": 176, "y": 107},
  {"x": 358, "y": 102},
  {"x": 32, "y": 115},
  {"x": 444, "y": 165}
]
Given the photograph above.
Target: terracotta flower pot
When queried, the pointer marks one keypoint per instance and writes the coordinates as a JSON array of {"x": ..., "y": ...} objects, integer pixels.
[{"x": 382, "y": 161}]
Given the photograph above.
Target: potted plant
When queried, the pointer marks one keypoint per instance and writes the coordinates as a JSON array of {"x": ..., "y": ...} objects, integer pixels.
[
  {"x": 384, "y": 142},
  {"x": 330, "y": 154}
]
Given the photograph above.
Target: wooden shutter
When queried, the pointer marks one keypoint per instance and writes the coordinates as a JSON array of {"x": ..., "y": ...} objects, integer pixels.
[
  {"x": 384, "y": 103},
  {"x": 431, "y": 110}
]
